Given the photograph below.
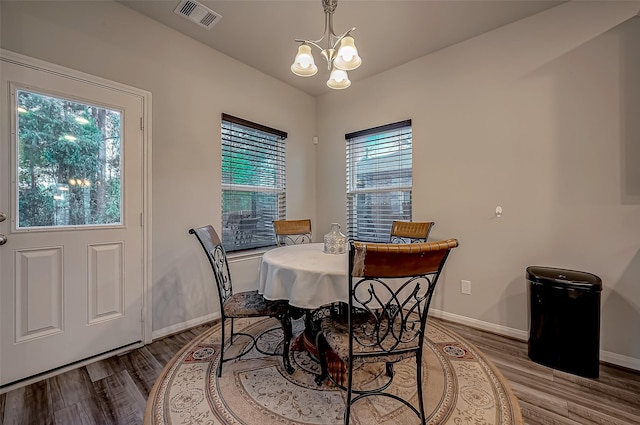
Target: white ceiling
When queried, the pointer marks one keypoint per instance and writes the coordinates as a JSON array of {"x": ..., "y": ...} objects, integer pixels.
[{"x": 261, "y": 33}]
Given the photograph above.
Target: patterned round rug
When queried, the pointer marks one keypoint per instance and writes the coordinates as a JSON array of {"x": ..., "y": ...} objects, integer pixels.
[{"x": 460, "y": 386}]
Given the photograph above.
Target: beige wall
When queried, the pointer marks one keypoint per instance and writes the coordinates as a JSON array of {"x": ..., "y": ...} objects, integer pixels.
[
  {"x": 191, "y": 86},
  {"x": 539, "y": 117}
]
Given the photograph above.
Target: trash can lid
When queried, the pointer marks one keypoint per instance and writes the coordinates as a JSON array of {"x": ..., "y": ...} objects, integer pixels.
[{"x": 565, "y": 278}]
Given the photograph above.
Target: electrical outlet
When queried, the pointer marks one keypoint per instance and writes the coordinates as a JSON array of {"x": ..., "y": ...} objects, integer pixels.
[{"x": 465, "y": 287}]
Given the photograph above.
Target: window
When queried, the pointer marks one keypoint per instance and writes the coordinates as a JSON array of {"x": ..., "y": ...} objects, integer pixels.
[
  {"x": 68, "y": 163},
  {"x": 253, "y": 183},
  {"x": 379, "y": 180}
]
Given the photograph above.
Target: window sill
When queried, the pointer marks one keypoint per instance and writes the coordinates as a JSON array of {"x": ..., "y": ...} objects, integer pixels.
[{"x": 249, "y": 254}]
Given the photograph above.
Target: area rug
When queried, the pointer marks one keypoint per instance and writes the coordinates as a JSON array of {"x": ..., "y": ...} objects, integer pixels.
[{"x": 460, "y": 386}]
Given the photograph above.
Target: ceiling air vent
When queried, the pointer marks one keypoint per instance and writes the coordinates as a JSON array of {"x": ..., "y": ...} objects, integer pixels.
[{"x": 197, "y": 13}]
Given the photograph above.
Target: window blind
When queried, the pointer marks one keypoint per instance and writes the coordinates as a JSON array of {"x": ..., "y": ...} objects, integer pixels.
[
  {"x": 253, "y": 183},
  {"x": 379, "y": 180}
]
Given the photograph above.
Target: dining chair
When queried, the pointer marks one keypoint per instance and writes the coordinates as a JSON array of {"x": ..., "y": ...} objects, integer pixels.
[
  {"x": 292, "y": 232},
  {"x": 410, "y": 231},
  {"x": 390, "y": 290},
  {"x": 241, "y": 304}
]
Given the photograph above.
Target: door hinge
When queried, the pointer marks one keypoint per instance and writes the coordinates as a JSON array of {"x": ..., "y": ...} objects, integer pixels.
[
  {"x": 141, "y": 124},
  {"x": 141, "y": 220}
]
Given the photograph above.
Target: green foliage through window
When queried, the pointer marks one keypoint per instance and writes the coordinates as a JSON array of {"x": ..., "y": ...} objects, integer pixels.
[
  {"x": 68, "y": 162},
  {"x": 253, "y": 183}
]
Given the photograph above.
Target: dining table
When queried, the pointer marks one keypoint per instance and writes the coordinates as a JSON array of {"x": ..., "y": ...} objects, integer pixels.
[
  {"x": 304, "y": 275},
  {"x": 314, "y": 283}
]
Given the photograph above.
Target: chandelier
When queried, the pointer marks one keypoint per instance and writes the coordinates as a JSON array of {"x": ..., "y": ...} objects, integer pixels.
[{"x": 338, "y": 61}]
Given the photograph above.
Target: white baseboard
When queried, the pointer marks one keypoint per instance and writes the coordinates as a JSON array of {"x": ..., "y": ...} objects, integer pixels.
[
  {"x": 619, "y": 360},
  {"x": 179, "y": 327},
  {"x": 605, "y": 356},
  {"x": 479, "y": 324}
]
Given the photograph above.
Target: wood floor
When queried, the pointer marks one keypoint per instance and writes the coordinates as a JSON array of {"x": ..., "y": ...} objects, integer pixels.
[
  {"x": 114, "y": 391},
  {"x": 548, "y": 396}
]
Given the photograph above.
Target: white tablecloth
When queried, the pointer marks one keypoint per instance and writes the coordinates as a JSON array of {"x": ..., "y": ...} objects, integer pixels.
[{"x": 304, "y": 275}]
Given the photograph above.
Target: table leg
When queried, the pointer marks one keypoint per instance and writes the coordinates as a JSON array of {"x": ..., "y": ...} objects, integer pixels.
[{"x": 306, "y": 341}]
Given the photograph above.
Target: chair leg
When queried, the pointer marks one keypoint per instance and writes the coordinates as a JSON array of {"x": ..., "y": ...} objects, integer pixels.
[
  {"x": 389, "y": 369},
  {"x": 419, "y": 383},
  {"x": 347, "y": 410},
  {"x": 222, "y": 349},
  {"x": 285, "y": 320},
  {"x": 321, "y": 345}
]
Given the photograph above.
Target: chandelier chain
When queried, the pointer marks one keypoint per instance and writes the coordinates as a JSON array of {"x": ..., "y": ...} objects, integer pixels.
[{"x": 329, "y": 6}]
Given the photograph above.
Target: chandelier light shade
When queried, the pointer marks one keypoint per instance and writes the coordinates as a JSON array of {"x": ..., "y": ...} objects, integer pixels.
[
  {"x": 304, "y": 66},
  {"x": 339, "y": 61},
  {"x": 338, "y": 79}
]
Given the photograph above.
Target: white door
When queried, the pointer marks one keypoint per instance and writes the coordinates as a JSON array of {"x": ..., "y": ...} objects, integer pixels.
[{"x": 71, "y": 187}]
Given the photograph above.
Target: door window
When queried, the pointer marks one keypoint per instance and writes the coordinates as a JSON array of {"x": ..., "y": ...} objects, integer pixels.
[{"x": 68, "y": 162}]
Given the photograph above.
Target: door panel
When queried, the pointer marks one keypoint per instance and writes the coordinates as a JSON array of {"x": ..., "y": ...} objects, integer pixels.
[
  {"x": 38, "y": 288},
  {"x": 106, "y": 282},
  {"x": 71, "y": 271}
]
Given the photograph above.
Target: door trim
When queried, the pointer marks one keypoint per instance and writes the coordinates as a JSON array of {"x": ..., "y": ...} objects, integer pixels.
[{"x": 145, "y": 219}]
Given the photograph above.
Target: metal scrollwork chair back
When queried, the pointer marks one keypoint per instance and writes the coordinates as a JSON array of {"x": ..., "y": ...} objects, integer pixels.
[
  {"x": 410, "y": 231},
  {"x": 241, "y": 304},
  {"x": 390, "y": 290},
  {"x": 292, "y": 232}
]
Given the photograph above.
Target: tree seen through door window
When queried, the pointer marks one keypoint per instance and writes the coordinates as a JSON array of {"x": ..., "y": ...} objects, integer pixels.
[{"x": 68, "y": 162}]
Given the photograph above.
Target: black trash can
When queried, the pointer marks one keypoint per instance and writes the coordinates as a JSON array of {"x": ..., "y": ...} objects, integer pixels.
[{"x": 564, "y": 329}]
